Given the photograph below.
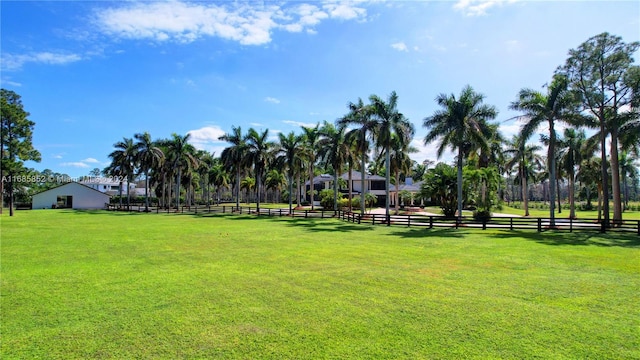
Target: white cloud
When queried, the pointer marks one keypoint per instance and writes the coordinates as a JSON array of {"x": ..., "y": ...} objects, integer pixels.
[
  {"x": 478, "y": 7},
  {"x": 206, "y": 138},
  {"x": 299, "y": 123},
  {"x": 186, "y": 22},
  {"x": 15, "y": 62},
  {"x": 272, "y": 100},
  {"x": 90, "y": 160},
  {"x": 77, "y": 164},
  {"x": 344, "y": 11},
  {"x": 256, "y": 124},
  {"x": 400, "y": 46}
]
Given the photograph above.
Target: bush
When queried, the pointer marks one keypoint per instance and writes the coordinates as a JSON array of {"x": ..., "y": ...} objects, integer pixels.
[{"x": 482, "y": 215}]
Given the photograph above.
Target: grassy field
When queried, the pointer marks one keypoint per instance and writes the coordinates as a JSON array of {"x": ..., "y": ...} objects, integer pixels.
[{"x": 115, "y": 285}]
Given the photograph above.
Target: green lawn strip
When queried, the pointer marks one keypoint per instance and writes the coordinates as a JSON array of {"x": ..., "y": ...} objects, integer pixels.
[{"x": 111, "y": 285}]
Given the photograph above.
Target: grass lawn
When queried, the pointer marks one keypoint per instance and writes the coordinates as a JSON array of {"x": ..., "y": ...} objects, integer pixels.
[{"x": 115, "y": 285}]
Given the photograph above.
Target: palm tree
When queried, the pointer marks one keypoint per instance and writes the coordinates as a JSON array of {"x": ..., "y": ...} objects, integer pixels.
[
  {"x": 219, "y": 177},
  {"x": 571, "y": 157},
  {"x": 310, "y": 138},
  {"x": 389, "y": 121},
  {"x": 629, "y": 170},
  {"x": 124, "y": 160},
  {"x": 257, "y": 154},
  {"x": 333, "y": 149},
  {"x": 149, "y": 156},
  {"x": 461, "y": 125},
  {"x": 181, "y": 156},
  {"x": 274, "y": 180},
  {"x": 525, "y": 157},
  {"x": 234, "y": 156},
  {"x": 288, "y": 154},
  {"x": 248, "y": 184},
  {"x": 360, "y": 115},
  {"x": 205, "y": 163},
  {"x": 557, "y": 105},
  {"x": 400, "y": 163}
]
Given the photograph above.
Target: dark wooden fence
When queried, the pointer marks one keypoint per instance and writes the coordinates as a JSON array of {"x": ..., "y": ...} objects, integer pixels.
[{"x": 415, "y": 220}]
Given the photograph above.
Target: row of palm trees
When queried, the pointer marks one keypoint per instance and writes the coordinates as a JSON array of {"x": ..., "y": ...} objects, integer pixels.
[{"x": 375, "y": 132}]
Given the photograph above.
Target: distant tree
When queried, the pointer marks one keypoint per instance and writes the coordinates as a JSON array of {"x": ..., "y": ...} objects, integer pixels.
[
  {"x": 558, "y": 105},
  {"x": 360, "y": 115},
  {"x": 16, "y": 146},
  {"x": 95, "y": 172},
  {"x": 288, "y": 154},
  {"x": 257, "y": 154},
  {"x": 123, "y": 162},
  {"x": 148, "y": 156},
  {"x": 389, "y": 121},
  {"x": 601, "y": 70},
  {"x": 234, "y": 156},
  {"x": 440, "y": 186},
  {"x": 310, "y": 138},
  {"x": 461, "y": 125}
]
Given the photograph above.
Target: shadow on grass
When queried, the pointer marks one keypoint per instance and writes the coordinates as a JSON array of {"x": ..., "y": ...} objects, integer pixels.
[
  {"x": 418, "y": 233},
  {"x": 576, "y": 238}
]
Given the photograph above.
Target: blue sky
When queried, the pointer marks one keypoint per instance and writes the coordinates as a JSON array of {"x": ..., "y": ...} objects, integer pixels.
[{"x": 93, "y": 72}]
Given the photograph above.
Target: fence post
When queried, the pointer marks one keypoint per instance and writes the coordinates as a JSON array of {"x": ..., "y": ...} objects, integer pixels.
[
  {"x": 638, "y": 227},
  {"x": 510, "y": 223},
  {"x": 373, "y": 219},
  {"x": 408, "y": 220},
  {"x": 570, "y": 224},
  {"x": 360, "y": 219},
  {"x": 306, "y": 213},
  {"x": 539, "y": 224},
  {"x": 484, "y": 223},
  {"x": 430, "y": 221}
]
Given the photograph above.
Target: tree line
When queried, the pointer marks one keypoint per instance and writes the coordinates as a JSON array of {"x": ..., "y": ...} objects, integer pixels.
[{"x": 597, "y": 88}]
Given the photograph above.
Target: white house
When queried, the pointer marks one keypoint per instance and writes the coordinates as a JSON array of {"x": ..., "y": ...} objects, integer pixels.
[
  {"x": 108, "y": 185},
  {"x": 71, "y": 195}
]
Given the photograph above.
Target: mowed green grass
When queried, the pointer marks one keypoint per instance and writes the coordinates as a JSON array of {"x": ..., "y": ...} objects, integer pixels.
[{"x": 114, "y": 285}]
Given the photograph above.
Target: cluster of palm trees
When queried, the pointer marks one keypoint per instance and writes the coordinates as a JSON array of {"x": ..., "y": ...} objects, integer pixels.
[{"x": 376, "y": 136}]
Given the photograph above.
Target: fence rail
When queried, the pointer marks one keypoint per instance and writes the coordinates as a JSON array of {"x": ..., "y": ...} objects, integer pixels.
[{"x": 410, "y": 220}]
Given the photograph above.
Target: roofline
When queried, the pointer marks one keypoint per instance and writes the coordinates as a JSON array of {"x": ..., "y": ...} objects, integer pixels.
[{"x": 70, "y": 182}]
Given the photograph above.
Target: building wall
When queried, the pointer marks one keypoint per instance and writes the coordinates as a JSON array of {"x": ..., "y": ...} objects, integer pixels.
[{"x": 83, "y": 197}]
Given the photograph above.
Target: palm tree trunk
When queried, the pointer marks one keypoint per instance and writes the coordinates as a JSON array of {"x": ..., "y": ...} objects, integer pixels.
[
  {"x": 237, "y": 188},
  {"x": 572, "y": 194},
  {"x": 615, "y": 178},
  {"x": 525, "y": 191},
  {"x": 350, "y": 185},
  {"x": 397, "y": 199},
  {"x": 311, "y": 185},
  {"x": 551, "y": 157},
  {"x": 298, "y": 191},
  {"x": 459, "y": 183},
  {"x": 558, "y": 196},
  {"x": 178, "y": 188},
  {"x": 146, "y": 191},
  {"x": 362, "y": 190},
  {"x": 387, "y": 173}
]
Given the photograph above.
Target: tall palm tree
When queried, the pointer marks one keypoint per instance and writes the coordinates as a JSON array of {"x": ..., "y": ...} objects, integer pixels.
[
  {"x": 333, "y": 149},
  {"x": 460, "y": 125},
  {"x": 310, "y": 138},
  {"x": 219, "y": 177},
  {"x": 628, "y": 170},
  {"x": 389, "y": 121},
  {"x": 360, "y": 115},
  {"x": 257, "y": 154},
  {"x": 571, "y": 157},
  {"x": 205, "y": 163},
  {"x": 274, "y": 180},
  {"x": 234, "y": 156},
  {"x": 525, "y": 157},
  {"x": 400, "y": 163},
  {"x": 248, "y": 184},
  {"x": 181, "y": 155},
  {"x": 289, "y": 155},
  {"x": 149, "y": 156},
  {"x": 123, "y": 158},
  {"x": 559, "y": 104}
]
